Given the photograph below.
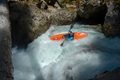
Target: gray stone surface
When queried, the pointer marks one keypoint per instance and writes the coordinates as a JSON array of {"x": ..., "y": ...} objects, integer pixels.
[
  {"x": 28, "y": 22},
  {"x": 6, "y": 68},
  {"x": 111, "y": 27}
]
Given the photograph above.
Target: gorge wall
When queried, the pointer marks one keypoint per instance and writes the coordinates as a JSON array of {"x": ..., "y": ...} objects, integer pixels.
[{"x": 6, "y": 68}]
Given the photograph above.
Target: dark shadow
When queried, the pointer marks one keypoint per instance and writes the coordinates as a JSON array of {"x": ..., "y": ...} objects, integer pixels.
[
  {"x": 20, "y": 17},
  {"x": 6, "y": 68},
  {"x": 96, "y": 17}
]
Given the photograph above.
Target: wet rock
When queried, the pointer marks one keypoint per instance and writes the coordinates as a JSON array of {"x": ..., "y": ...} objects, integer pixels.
[
  {"x": 63, "y": 16},
  {"x": 6, "y": 68},
  {"x": 28, "y": 21},
  {"x": 109, "y": 75},
  {"x": 91, "y": 11},
  {"x": 111, "y": 27}
]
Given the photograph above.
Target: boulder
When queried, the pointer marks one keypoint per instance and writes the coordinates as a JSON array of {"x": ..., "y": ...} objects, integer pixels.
[
  {"x": 63, "y": 16},
  {"x": 91, "y": 11},
  {"x": 109, "y": 75},
  {"x": 6, "y": 67},
  {"x": 28, "y": 21},
  {"x": 111, "y": 27}
]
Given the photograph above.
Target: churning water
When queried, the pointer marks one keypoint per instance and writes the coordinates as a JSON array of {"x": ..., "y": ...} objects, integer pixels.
[{"x": 75, "y": 60}]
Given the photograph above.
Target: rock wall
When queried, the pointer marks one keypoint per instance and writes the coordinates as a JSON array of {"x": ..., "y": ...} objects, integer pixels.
[
  {"x": 109, "y": 75},
  {"x": 111, "y": 27},
  {"x": 28, "y": 21},
  {"x": 105, "y": 12},
  {"x": 91, "y": 11},
  {"x": 6, "y": 68}
]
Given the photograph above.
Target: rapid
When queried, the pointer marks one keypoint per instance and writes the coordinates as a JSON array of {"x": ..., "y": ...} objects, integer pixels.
[{"x": 75, "y": 60}]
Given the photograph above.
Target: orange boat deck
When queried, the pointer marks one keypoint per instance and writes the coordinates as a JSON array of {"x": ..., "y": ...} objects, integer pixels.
[{"x": 77, "y": 35}]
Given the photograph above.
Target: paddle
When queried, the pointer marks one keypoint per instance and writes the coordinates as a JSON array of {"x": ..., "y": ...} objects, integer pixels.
[{"x": 68, "y": 31}]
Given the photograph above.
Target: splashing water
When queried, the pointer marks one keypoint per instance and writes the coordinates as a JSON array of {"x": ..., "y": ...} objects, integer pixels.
[{"x": 76, "y": 60}]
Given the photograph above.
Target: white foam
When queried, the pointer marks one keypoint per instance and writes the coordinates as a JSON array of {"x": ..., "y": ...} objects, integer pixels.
[{"x": 77, "y": 60}]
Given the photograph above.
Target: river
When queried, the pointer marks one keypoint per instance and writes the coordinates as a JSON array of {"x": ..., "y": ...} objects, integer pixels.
[{"x": 75, "y": 60}]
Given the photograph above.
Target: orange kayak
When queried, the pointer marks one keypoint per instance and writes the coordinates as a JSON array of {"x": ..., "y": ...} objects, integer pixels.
[{"x": 77, "y": 35}]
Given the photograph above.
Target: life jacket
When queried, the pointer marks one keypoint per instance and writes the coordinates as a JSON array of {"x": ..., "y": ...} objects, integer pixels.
[{"x": 68, "y": 37}]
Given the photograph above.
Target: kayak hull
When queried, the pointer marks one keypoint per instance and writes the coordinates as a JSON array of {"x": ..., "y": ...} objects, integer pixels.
[{"x": 77, "y": 36}]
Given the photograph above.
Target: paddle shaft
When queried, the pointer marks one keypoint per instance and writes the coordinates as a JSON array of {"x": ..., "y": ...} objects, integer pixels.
[
  {"x": 62, "y": 43},
  {"x": 71, "y": 26},
  {"x": 68, "y": 31}
]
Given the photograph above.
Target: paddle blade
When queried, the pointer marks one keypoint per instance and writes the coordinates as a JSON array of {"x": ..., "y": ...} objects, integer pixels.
[
  {"x": 62, "y": 43},
  {"x": 71, "y": 26}
]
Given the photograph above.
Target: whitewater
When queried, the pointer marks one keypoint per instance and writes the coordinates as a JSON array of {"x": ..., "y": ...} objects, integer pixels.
[{"x": 75, "y": 60}]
